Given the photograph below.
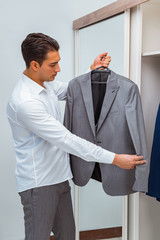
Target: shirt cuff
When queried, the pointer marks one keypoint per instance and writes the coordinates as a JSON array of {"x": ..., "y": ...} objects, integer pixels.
[{"x": 107, "y": 156}]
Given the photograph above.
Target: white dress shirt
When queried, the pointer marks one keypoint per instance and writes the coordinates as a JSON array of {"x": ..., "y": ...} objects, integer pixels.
[{"x": 41, "y": 142}]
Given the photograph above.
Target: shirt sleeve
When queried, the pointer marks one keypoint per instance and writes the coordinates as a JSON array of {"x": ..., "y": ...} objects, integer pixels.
[
  {"x": 135, "y": 121},
  {"x": 59, "y": 88},
  {"x": 33, "y": 116}
]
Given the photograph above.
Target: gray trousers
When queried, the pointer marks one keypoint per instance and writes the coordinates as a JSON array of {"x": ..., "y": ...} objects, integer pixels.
[{"x": 48, "y": 209}]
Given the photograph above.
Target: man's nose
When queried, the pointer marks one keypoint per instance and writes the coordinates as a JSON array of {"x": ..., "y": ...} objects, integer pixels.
[{"x": 57, "y": 68}]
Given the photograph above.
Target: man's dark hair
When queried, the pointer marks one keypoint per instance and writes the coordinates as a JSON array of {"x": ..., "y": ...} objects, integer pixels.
[{"x": 36, "y": 46}]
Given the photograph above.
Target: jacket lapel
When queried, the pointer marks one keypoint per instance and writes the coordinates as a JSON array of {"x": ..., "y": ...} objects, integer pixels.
[
  {"x": 111, "y": 92},
  {"x": 87, "y": 97}
]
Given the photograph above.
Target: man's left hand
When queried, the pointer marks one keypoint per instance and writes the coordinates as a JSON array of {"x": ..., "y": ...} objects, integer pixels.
[{"x": 101, "y": 60}]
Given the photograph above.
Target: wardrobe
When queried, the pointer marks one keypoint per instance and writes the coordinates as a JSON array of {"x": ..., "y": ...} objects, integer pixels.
[
  {"x": 140, "y": 20},
  {"x": 149, "y": 83}
]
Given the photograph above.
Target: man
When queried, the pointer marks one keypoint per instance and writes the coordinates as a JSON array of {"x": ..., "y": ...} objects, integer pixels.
[{"x": 42, "y": 143}]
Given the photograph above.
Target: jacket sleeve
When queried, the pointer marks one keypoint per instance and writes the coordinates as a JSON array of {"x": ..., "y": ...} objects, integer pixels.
[
  {"x": 135, "y": 121},
  {"x": 68, "y": 109}
]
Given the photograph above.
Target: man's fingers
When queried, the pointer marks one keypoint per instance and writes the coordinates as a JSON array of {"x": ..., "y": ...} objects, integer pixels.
[
  {"x": 138, "y": 158},
  {"x": 140, "y": 162},
  {"x": 105, "y": 61},
  {"x": 103, "y": 54},
  {"x": 106, "y": 57}
]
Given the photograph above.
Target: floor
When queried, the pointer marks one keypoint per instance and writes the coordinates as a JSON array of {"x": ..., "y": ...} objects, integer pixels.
[{"x": 113, "y": 239}]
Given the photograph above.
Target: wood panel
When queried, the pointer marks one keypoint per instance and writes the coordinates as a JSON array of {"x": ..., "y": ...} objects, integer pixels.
[
  {"x": 99, "y": 234},
  {"x": 105, "y": 12}
]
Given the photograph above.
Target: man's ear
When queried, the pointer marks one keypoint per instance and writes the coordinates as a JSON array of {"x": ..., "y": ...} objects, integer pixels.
[{"x": 34, "y": 65}]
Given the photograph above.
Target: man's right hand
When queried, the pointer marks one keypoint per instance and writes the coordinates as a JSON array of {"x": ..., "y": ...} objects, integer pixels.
[{"x": 127, "y": 161}]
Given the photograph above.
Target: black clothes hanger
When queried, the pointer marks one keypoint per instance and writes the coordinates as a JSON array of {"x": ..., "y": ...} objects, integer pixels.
[
  {"x": 101, "y": 68},
  {"x": 100, "y": 75}
]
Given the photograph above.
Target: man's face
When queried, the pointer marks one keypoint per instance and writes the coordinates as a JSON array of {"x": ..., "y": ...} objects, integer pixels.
[{"x": 50, "y": 67}]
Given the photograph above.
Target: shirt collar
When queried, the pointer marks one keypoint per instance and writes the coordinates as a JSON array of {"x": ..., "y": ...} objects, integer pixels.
[{"x": 35, "y": 87}]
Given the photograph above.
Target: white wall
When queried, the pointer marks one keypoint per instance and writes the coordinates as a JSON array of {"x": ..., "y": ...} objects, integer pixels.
[{"x": 17, "y": 19}]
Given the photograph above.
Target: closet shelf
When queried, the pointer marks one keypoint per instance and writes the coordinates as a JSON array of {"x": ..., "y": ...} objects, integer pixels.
[{"x": 149, "y": 54}]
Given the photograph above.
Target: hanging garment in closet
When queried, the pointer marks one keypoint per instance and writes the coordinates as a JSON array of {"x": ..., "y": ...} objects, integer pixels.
[
  {"x": 120, "y": 129},
  {"x": 154, "y": 174}
]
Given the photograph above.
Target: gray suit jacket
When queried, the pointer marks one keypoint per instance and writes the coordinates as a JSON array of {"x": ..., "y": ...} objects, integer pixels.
[{"x": 120, "y": 130}]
